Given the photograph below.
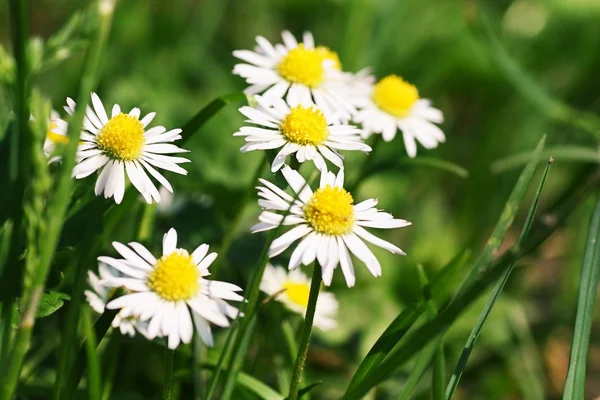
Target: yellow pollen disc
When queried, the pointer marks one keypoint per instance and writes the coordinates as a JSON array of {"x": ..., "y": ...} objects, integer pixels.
[
  {"x": 303, "y": 66},
  {"x": 297, "y": 293},
  {"x": 328, "y": 54},
  {"x": 330, "y": 211},
  {"x": 55, "y": 137},
  {"x": 395, "y": 96},
  {"x": 122, "y": 138},
  {"x": 174, "y": 277},
  {"x": 305, "y": 125}
]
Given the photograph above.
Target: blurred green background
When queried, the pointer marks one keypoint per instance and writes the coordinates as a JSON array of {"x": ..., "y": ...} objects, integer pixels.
[{"x": 173, "y": 57}]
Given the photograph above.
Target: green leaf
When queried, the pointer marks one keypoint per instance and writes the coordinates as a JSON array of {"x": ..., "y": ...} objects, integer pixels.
[
  {"x": 207, "y": 112},
  {"x": 50, "y": 303},
  {"x": 403, "y": 322},
  {"x": 590, "y": 274},
  {"x": 468, "y": 348},
  {"x": 559, "y": 153},
  {"x": 262, "y": 390},
  {"x": 481, "y": 268}
]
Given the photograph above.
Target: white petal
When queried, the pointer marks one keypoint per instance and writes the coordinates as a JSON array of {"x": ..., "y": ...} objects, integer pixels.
[{"x": 169, "y": 242}]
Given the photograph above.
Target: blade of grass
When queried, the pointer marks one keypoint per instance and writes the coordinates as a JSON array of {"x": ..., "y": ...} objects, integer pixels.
[
  {"x": 431, "y": 351},
  {"x": 468, "y": 348},
  {"x": 478, "y": 269},
  {"x": 538, "y": 96},
  {"x": 559, "y": 153},
  {"x": 403, "y": 322},
  {"x": 93, "y": 365},
  {"x": 207, "y": 112},
  {"x": 588, "y": 284}
]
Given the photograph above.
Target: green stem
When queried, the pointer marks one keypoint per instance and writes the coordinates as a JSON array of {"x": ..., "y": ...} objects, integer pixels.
[
  {"x": 168, "y": 380},
  {"x": 93, "y": 365},
  {"x": 238, "y": 214},
  {"x": 56, "y": 209},
  {"x": 315, "y": 285},
  {"x": 147, "y": 222}
]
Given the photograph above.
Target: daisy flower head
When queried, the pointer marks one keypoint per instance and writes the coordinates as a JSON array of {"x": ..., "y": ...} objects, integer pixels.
[
  {"x": 391, "y": 104},
  {"x": 302, "y": 129},
  {"x": 170, "y": 292},
  {"x": 292, "y": 289},
  {"x": 55, "y": 135},
  {"x": 299, "y": 72},
  {"x": 122, "y": 144},
  {"x": 328, "y": 222},
  {"x": 98, "y": 295}
]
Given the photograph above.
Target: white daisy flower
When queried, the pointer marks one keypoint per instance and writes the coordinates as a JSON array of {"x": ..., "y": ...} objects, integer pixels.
[
  {"x": 121, "y": 144},
  {"x": 302, "y": 129},
  {"x": 292, "y": 289},
  {"x": 328, "y": 221},
  {"x": 56, "y": 134},
  {"x": 171, "y": 292},
  {"x": 98, "y": 296},
  {"x": 393, "y": 104},
  {"x": 300, "y": 72}
]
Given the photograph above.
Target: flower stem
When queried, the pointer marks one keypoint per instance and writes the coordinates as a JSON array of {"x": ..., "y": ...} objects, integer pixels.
[
  {"x": 315, "y": 285},
  {"x": 93, "y": 365},
  {"x": 168, "y": 381}
]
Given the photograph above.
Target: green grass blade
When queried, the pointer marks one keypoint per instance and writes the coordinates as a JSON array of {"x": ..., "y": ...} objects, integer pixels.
[
  {"x": 507, "y": 217},
  {"x": 468, "y": 348},
  {"x": 418, "y": 370},
  {"x": 260, "y": 389},
  {"x": 401, "y": 353},
  {"x": 402, "y": 323},
  {"x": 207, "y": 112},
  {"x": 590, "y": 273},
  {"x": 421, "y": 161},
  {"x": 530, "y": 90},
  {"x": 93, "y": 365},
  {"x": 558, "y": 153}
]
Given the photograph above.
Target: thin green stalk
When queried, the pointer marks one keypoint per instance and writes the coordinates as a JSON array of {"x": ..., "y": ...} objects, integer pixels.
[
  {"x": 110, "y": 358},
  {"x": 147, "y": 222},
  {"x": 468, "y": 348},
  {"x": 418, "y": 370},
  {"x": 168, "y": 375},
  {"x": 588, "y": 284},
  {"x": 18, "y": 168},
  {"x": 237, "y": 218},
  {"x": 315, "y": 285},
  {"x": 198, "y": 354},
  {"x": 250, "y": 308},
  {"x": 93, "y": 365},
  {"x": 34, "y": 285}
]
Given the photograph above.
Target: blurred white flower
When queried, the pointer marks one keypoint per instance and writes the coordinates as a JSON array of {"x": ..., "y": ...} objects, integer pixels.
[
  {"x": 329, "y": 223},
  {"x": 99, "y": 294},
  {"x": 391, "y": 104},
  {"x": 171, "y": 292},
  {"x": 292, "y": 289},
  {"x": 56, "y": 134},
  {"x": 300, "y": 72},
  {"x": 121, "y": 144},
  {"x": 303, "y": 130}
]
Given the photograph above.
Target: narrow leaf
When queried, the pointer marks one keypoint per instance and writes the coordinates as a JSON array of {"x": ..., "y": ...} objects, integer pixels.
[
  {"x": 559, "y": 153},
  {"x": 494, "y": 295},
  {"x": 50, "y": 303},
  {"x": 590, "y": 273}
]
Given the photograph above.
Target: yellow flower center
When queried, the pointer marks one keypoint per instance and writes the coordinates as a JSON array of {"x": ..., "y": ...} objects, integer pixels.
[
  {"x": 305, "y": 125},
  {"x": 330, "y": 211},
  {"x": 55, "y": 137},
  {"x": 297, "y": 293},
  {"x": 174, "y": 277},
  {"x": 395, "y": 96},
  {"x": 327, "y": 54},
  {"x": 303, "y": 66},
  {"x": 122, "y": 138}
]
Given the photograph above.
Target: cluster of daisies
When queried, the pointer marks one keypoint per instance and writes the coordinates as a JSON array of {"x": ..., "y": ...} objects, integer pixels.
[{"x": 306, "y": 107}]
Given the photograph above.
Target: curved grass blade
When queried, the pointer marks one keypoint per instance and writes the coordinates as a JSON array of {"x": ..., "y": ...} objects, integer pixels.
[
  {"x": 590, "y": 274},
  {"x": 207, "y": 112},
  {"x": 403, "y": 322},
  {"x": 421, "y": 161},
  {"x": 466, "y": 352},
  {"x": 559, "y": 153},
  {"x": 400, "y": 352},
  {"x": 432, "y": 351},
  {"x": 538, "y": 96}
]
